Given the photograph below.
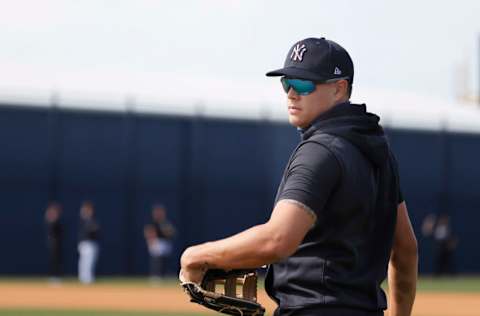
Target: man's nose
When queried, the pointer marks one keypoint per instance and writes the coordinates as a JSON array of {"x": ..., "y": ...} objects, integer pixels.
[{"x": 292, "y": 94}]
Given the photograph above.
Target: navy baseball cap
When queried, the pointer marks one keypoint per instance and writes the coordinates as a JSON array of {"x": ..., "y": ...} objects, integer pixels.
[{"x": 316, "y": 59}]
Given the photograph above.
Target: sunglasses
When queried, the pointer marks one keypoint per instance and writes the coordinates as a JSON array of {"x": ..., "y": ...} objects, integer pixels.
[{"x": 301, "y": 86}]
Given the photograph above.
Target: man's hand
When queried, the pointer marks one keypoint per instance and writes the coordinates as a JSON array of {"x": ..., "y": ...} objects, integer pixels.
[
  {"x": 191, "y": 271},
  {"x": 195, "y": 276},
  {"x": 228, "y": 300}
]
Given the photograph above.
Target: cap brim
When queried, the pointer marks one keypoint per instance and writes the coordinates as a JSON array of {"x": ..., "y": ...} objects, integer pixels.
[{"x": 296, "y": 73}]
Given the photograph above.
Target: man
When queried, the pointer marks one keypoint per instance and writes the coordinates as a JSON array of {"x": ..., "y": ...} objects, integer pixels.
[
  {"x": 444, "y": 242},
  {"x": 54, "y": 240},
  {"x": 88, "y": 243},
  {"x": 339, "y": 219},
  {"x": 158, "y": 236}
]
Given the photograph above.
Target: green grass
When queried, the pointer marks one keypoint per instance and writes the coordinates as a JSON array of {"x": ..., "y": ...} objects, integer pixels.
[
  {"x": 45, "y": 312},
  {"x": 451, "y": 284}
]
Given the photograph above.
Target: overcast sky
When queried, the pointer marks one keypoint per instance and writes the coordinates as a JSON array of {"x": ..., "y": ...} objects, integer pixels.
[{"x": 220, "y": 49}]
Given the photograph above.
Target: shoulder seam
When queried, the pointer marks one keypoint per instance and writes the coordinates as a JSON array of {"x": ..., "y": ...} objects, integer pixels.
[{"x": 333, "y": 138}]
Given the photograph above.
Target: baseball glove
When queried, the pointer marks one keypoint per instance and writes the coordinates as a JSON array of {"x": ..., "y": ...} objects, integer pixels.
[{"x": 227, "y": 300}]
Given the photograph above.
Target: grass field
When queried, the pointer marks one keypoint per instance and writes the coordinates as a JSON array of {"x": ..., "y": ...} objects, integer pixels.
[
  {"x": 458, "y": 284},
  {"x": 137, "y": 297}
]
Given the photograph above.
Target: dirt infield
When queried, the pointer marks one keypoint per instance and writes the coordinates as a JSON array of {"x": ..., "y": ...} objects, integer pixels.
[{"x": 172, "y": 299}]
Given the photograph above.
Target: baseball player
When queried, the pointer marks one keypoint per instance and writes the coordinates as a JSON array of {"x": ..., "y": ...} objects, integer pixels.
[
  {"x": 88, "y": 248},
  {"x": 339, "y": 224},
  {"x": 55, "y": 233},
  {"x": 158, "y": 236}
]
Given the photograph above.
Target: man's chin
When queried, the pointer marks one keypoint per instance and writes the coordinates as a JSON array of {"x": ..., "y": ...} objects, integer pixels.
[{"x": 295, "y": 121}]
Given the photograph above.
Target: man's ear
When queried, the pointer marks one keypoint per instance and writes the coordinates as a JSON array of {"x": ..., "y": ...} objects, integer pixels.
[{"x": 341, "y": 89}]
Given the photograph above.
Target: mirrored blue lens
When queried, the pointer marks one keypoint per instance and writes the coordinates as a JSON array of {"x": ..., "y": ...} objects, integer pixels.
[{"x": 302, "y": 87}]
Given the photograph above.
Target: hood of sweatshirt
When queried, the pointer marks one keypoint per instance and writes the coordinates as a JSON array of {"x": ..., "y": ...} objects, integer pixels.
[{"x": 353, "y": 123}]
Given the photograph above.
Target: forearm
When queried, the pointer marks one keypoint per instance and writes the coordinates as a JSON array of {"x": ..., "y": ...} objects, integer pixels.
[
  {"x": 402, "y": 283},
  {"x": 251, "y": 248}
]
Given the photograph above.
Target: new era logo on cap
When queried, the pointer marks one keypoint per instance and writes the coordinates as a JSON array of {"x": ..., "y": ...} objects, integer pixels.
[
  {"x": 297, "y": 52},
  {"x": 337, "y": 71}
]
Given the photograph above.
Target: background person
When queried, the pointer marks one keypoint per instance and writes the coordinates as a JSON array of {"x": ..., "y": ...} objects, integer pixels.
[
  {"x": 159, "y": 235},
  {"x": 445, "y": 242},
  {"x": 55, "y": 233},
  {"x": 88, "y": 248}
]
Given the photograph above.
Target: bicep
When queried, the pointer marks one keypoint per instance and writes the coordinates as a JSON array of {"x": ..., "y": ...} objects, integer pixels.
[
  {"x": 291, "y": 221},
  {"x": 404, "y": 241}
]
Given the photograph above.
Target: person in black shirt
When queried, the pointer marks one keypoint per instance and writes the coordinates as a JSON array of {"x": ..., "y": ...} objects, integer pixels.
[
  {"x": 88, "y": 243},
  {"x": 339, "y": 222},
  {"x": 164, "y": 229},
  {"x": 445, "y": 242},
  {"x": 54, "y": 240},
  {"x": 158, "y": 236}
]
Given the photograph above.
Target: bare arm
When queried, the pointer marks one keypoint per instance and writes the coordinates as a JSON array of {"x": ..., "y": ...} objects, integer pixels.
[
  {"x": 254, "y": 247},
  {"x": 403, "y": 266}
]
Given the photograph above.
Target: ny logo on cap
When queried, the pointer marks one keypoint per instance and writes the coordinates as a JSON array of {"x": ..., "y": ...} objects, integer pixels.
[{"x": 297, "y": 52}]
